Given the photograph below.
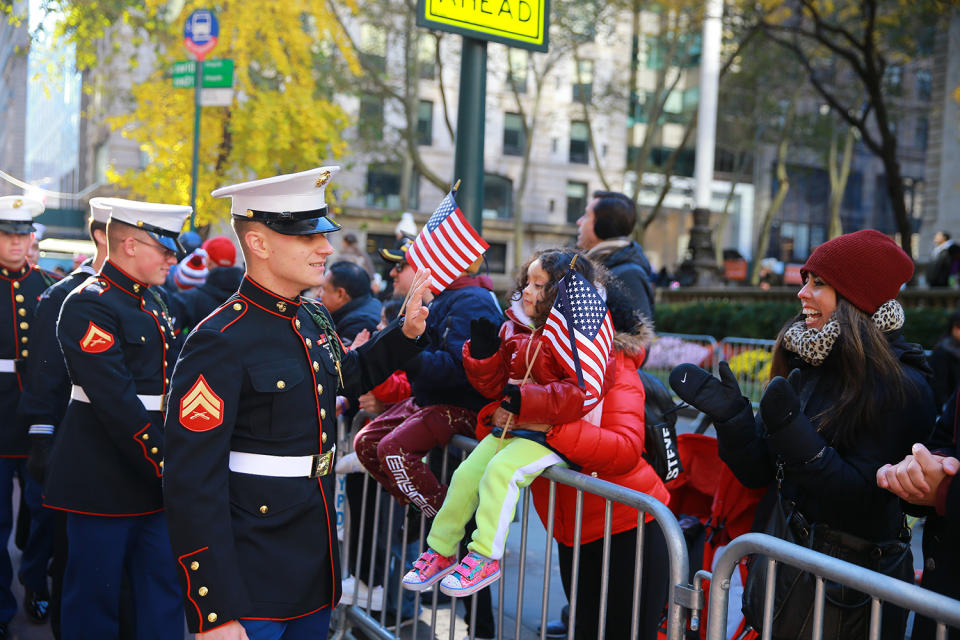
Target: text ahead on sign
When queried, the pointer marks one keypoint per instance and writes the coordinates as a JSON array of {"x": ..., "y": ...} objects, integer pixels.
[{"x": 518, "y": 23}]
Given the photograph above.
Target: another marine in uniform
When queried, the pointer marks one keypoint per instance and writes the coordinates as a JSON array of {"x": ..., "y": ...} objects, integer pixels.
[
  {"x": 251, "y": 425},
  {"x": 44, "y": 401},
  {"x": 20, "y": 287},
  {"x": 106, "y": 463}
]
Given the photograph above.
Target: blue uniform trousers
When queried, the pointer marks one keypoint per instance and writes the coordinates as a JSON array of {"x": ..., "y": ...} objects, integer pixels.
[
  {"x": 101, "y": 551},
  {"x": 10, "y": 467},
  {"x": 39, "y": 549},
  {"x": 312, "y": 627}
]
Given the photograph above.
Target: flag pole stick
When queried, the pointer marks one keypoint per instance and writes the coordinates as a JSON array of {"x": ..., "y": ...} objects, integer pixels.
[
  {"x": 456, "y": 186},
  {"x": 526, "y": 376},
  {"x": 417, "y": 279}
]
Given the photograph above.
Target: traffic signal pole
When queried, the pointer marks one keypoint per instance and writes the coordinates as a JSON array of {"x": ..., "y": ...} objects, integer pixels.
[
  {"x": 197, "y": 111},
  {"x": 471, "y": 117}
]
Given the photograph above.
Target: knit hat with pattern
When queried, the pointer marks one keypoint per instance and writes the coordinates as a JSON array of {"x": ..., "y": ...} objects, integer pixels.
[{"x": 865, "y": 267}]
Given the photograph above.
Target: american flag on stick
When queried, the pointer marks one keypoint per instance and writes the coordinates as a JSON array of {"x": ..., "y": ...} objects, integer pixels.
[
  {"x": 446, "y": 245},
  {"x": 581, "y": 331}
]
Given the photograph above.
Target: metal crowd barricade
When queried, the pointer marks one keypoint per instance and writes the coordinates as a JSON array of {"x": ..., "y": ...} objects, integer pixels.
[
  {"x": 749, "y": 359},
  {"x": 881, "y": 588},
  {"x": 378, "y": 624}
]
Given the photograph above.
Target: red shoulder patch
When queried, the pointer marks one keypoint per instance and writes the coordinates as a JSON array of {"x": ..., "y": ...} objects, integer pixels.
[
  {"x": 96, "y": 340},
  {"x": 200, "y": 408}
]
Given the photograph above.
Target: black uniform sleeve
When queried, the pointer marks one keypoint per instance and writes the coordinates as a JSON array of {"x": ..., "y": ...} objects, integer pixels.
[
  {"x": 369, "y": 365},
  {"x": 48, "y": 385},
  {"x": 90, "y": 337},
  {"x": 204, "y": 396}
]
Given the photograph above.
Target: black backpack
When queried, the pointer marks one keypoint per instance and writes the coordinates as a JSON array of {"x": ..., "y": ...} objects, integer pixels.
[{"x": 660, "y": 419}]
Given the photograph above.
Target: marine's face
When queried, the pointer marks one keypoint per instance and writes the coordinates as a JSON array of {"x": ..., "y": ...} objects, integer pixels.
[
  {"x": 13, "y": 249},
  {"x": 297, "y": 262},
  {"x": 152, "y": 260},
  {"x": 819, "y": 301}
]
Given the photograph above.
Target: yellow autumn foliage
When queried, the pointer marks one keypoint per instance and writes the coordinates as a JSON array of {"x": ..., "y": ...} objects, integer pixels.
[{"x": 280, "y": 121}]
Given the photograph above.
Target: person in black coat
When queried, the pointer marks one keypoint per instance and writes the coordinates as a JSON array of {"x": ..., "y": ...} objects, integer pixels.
[
  {"x": 349, "y": 299},
  {"x": 945, "y": 361},
  {"x": 858, "y": 397},
  {"x": 924, "y": 480},
  {"x": 603, "y": 231}
]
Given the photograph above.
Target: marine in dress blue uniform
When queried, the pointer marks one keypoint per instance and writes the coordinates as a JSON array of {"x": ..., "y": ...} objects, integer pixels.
[
  {"x": 20, "y": 287},
  {"x": 42, "y": 405},
  {"x": 251, "y": 426},
  {"x": 107, "y": 461}
]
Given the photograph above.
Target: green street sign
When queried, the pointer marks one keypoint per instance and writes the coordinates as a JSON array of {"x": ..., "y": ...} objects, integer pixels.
[{"x": 217, "y": 74}]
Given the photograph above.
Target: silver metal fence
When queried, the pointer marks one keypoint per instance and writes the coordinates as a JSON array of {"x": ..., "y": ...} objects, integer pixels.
[
  {"x": 378, "y": 624},
  {"x": 671, "y": 349},
  {"x": 881, "y": 588}
]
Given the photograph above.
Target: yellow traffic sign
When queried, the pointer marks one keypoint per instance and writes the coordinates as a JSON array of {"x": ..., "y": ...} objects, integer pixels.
[{"x": 517, "y": 23}]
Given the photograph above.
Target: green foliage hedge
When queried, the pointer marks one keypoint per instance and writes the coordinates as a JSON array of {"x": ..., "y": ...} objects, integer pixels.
[{"x": 763, "y": 320}]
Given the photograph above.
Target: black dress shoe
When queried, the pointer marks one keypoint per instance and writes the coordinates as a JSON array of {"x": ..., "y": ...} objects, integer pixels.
[
  {"x": 36, "y": 606},
  {"x": 556, "y": 629}
]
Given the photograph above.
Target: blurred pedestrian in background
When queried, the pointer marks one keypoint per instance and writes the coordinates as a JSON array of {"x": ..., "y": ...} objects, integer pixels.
[{"x": 945, "y": 361}]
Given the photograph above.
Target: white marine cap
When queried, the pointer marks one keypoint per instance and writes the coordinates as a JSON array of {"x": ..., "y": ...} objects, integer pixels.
[
  {"x": 100, "y": 209},
  {"x": 17, "y": 213},
  {"x": 162, "y": 221},
  {"x": 291, "y": 204}
]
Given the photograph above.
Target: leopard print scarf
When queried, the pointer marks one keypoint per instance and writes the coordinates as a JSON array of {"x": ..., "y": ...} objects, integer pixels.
[{"x": 813, "y": 346}]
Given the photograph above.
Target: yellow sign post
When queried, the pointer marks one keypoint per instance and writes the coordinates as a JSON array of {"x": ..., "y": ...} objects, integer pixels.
[{"x": 517, "y": 23}]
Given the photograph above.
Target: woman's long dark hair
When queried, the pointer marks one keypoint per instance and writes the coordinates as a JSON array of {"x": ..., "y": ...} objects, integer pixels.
[
  {"x": 555, "y": 263},
  {"x": 869, "y": 374}
]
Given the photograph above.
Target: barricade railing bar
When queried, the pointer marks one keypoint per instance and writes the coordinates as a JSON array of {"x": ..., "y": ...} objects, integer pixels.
[
  {"x": 376, "y": 624},
  {"x": 879, "y": 587},
  {"x": 749, "y": 360}
]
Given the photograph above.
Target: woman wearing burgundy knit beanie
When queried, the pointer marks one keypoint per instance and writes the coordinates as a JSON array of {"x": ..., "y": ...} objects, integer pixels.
[{"x": 847, "y": 395}]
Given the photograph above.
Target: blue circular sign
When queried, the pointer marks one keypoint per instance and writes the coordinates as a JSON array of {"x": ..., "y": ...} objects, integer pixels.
[{"x": 200, "y": 32}]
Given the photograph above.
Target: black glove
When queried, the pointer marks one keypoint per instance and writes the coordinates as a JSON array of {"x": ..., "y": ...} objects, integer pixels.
[
  {"x": 484, "y": 338},
  {"x": 720, "y": 399},
  {"x": 39, "y": 454},
  {"x": 511, "y": 400},
  {"x": 780, "y": 404}
]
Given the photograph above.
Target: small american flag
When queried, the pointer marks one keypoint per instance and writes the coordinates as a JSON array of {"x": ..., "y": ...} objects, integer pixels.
[
  {"x": 447, "y": 245},
  {"x": 581, "y": 331}
]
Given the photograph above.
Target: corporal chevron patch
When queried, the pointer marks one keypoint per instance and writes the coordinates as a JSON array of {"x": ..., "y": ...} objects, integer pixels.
[
  {"x": 96, "y": 340},
  {"x": 200, "y": 408}
]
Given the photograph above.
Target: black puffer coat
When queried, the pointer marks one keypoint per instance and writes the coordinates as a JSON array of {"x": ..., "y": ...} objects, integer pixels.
[{"x": 836, "y": 485}]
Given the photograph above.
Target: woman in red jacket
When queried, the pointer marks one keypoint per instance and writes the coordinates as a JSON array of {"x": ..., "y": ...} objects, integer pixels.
[{"x": 612, "y": 451}]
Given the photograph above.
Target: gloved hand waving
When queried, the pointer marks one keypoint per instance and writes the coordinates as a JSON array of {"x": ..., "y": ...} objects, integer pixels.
[
  {"x": 484, "y": 338},
  {"x": 720, "y": 399},
  {"x": 780, "y": 404}
]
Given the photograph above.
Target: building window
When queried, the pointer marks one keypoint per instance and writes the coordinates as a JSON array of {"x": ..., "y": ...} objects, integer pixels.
[
  {"x": 427, "y": 57},
  {"x": 370, "y": 120},
  {"x": 920, "y": 136},
  {"x": 384, "y": 182},
  {"x": 514, "y": 142},
  {"x": 579, "y": 143},
  {"x": 373, "y": 46},
  {"x": 576, "y": 200},
  {"x": 497, "y": 196},
  {"x": 582, "y": 80},
  {"x": 496, "y": 257},
  {"x": 923, "y": 84},
  {"x": 518, "y": 61},
  {"x": 425, "y": 123}
]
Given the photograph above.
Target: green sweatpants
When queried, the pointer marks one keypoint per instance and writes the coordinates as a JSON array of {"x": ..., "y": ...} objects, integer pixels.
[{"x": 488, "y": 482}]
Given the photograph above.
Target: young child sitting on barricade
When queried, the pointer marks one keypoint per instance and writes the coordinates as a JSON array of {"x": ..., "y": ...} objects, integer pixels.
[{"x": 499, "y": 365}]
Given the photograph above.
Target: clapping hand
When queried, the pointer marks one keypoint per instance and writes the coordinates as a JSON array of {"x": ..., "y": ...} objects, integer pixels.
[{"x": 720, "y": 399}]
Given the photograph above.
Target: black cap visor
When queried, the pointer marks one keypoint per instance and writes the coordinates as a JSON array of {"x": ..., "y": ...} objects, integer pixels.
[{"x": 18, "y": 227}]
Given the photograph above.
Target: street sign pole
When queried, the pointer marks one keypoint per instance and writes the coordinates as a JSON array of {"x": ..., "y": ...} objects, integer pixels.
[
  {"x": 197, "y": 112},
  {"x": 471, "y": 115}
]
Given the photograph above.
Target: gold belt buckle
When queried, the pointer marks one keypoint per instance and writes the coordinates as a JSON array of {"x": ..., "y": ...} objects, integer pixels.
[{"x": 322, "y": 463}]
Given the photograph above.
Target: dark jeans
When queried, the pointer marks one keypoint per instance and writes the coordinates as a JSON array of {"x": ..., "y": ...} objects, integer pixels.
[{"x": 623, "y": 558}]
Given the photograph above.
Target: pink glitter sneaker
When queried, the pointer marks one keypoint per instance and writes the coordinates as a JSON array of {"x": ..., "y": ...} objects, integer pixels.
[
  {"x": 472, "y": 574},
  {"x": 428, "y": 570}
]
